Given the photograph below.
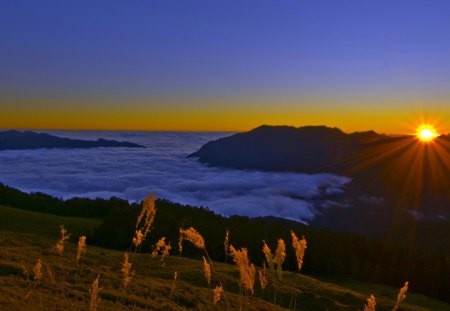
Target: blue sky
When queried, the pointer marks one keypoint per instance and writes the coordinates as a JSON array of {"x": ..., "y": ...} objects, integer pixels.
[{"x": 343, "y": 49}]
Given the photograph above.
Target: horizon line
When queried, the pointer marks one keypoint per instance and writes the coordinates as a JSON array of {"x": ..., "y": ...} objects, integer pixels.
[{"x": 198, "y": 131}]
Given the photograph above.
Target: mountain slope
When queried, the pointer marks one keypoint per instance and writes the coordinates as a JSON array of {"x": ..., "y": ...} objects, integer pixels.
[
  {"x": 310, "y": 149},
  {"x": 391, "y": 175},
  {"x": 65, "y": 284}
]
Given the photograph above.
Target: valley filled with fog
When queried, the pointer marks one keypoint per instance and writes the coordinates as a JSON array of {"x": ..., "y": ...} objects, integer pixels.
[{"x": 163, "y": 168}]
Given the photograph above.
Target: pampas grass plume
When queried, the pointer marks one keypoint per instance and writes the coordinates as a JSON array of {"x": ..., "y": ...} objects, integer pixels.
[
  {"x": 401, "y": 296},
  {"x": 64, "y": 236},
  {"x": 161, "y": 248},
  {"x": 300, "y": 247},
  {"x": 127, "y": 274},
  {"x": 147, "y": 216},
  {"x": 262, "y": 274},
  {"x": 280, "y": 255},
  {"x": 371, "y": 303},
  {"x": 207, "y": 270},
  {"x": 81, "y": 247},
  {"x": 246, "y": 269},
  {"x": 217, "y": 294},
  {"x": 269, "y": 257},
  {"x": 138, "y": 238},
  {"x": 192, "y": 236}
]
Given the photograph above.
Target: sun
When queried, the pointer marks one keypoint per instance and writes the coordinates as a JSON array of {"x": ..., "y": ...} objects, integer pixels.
[{"x": 426, "y": 133}]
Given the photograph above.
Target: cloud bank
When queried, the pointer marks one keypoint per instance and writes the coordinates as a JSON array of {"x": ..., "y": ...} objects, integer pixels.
[{"x": 163, "y": 168}]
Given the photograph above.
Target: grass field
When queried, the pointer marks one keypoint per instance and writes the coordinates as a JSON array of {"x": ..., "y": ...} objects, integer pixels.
[
  {"x": 27, "y": 236},
  {"x": 45, "y": 225}
]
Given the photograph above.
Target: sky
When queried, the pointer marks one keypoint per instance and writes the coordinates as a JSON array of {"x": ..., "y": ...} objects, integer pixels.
[{"x": 224, "y": 65}]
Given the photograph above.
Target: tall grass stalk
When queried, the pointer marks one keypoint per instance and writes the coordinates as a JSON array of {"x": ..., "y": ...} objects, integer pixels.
[
  {"x": 172, "y": 288},
  {"x": 94, "y": 291},
  {"x": 262, "y": 276},
  {"x": 401, "y": 296},
  {"x": 127, "y": 272},
  {"x": 371, "y": 303},
  {"x": 299, "y": 247},
  {"x": 207, "y": 271},
  {"x": 60, "y": 247},
  {"x": 245, "y": 268},
  {"x": 226, "y": 244},
  {"x": 280, "y": 255},
  {"x": 217, "y": 293},
  {"x": 81, "y": 250}
]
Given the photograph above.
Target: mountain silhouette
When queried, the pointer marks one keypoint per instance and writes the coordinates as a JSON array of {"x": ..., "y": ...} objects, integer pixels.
[
  {"x": 391, "y": 175},
  {"x": 309, "y": 149},
  {"x": 19, "y": 140}
]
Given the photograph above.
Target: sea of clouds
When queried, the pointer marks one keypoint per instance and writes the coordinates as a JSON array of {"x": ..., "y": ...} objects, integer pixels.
[{"x": 163, "y": 168}]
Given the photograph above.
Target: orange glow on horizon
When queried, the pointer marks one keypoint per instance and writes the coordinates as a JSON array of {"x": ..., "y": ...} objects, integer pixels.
[{"x": 232, "y": 115}]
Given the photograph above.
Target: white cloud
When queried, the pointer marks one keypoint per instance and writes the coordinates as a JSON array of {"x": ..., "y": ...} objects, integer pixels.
[{"x": 163, "y": 168}]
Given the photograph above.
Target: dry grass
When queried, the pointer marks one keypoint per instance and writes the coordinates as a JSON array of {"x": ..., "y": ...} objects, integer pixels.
[
  {"x": 64, "y": 236},
  {"x": 151, "y": 286},
  {"x": 371, "y": 303},
  {"x": 81, "y": 247},
  {"x": 207, "y": 271},
  {"x": 127, "y": 273},
  {"x": 401, "y": 296},
  {"x": 138, "y": 238},
  {"x": 179, "y": 285},
  {"x": 218, "y": 292},
  {"x": 94, "y": 291},
  {"x": 262, "y": 276},
  {"x": 245, "y": 268},
  {"x": 144, "y": 221},
  {"x": 161, "y": 248},
  {"x": 269, "y": 257},
  {"x": 37, "y": 271},
  {"x": 191, "y": 235},
  {"x": 300, "y": 248},
  {"x": 226, "y": 243},
  {"x": 280, "y": 256}
]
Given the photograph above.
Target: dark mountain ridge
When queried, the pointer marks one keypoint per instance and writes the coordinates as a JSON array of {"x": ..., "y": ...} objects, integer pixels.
[
  {"x": 393, "y": 177},
  {"x": 20, "y": 140},
  {"x": 309, "y": 149}
]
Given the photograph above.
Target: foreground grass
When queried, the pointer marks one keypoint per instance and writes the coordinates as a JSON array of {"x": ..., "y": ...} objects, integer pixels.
[
  {"x": 380, "y": 290},
  {"x": 65, "y": 284}
]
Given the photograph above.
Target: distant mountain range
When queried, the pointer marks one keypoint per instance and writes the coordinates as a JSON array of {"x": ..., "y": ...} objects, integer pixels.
[
  {"x": 20, "y": 140},
  {"x": 393, "y": 176}
]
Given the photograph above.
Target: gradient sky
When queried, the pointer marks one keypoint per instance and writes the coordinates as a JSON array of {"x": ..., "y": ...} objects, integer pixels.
[{"x": 224, "y": 65}]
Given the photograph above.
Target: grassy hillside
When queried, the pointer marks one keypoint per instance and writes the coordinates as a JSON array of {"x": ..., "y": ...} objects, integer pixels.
[
  {"x": 45, "y": 225},
  {"x": 27, "y": 236},
  {"x": 398, "y": 256}
]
